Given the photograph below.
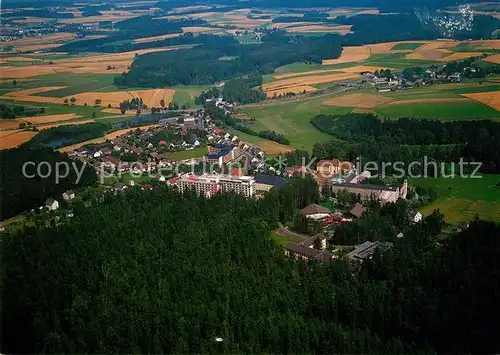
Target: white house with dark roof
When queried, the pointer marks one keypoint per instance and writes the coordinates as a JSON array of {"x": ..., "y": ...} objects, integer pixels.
[
  {"x": 51, "y": 204},
  {"x": 68, "y": 195}
]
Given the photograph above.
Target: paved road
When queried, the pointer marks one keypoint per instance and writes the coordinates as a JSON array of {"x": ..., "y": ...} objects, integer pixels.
[{"x": 285, "y": 232}]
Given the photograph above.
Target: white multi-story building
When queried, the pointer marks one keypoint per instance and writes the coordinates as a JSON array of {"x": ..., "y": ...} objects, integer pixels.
[{"x": 210, "y": 185}]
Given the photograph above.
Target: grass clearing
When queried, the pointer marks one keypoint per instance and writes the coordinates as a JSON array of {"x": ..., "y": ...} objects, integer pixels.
[
  {"x": 293, "y": 120},
  {"x": 460, "y": 199},
  {"x": 406, "y": 46},
  {"x": 188, "y": 154}
]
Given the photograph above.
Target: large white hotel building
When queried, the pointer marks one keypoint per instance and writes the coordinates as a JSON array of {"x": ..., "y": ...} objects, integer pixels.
[{"x": 210, "y": 185}]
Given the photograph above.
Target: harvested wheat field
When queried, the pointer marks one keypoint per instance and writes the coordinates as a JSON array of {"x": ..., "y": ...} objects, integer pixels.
[
  {"x": 459, "y": 56},
  {"x": 41, "y": 128},
  {"x": 425, "y": 101},
  {"x": 12, "y": 139},
  {"x": 357, "y": 69},
  {"x": 156, "y": 38},
  {"x": 428, "y": 54},
  {"x": 295, "y": 89},
  {"x": 9, "y": 124},
  {"x": 486, "y": 44},
  {"x": 36, "y": 120},
  {"x": 343, "y": 30},
  {"x": 109, "y": 136},
  {"x": 112, "y": 110},
  {"x": 19, "y": 59},
  {"x": 151, "y": 98},
  {"x": 97, "y": 64},
  {"x": 281, "y": 25},
  {"x": 308, "y": 80},
  {"x": 350, "y": 54},
  {"x": 362, "y": 101},
  {"x": 495, "y": 58},
  {"x": 491, "y": 98},
  {"x": 273, "y": 148}
]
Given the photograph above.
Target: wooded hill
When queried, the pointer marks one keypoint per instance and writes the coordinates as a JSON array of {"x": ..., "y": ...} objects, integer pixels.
[{"x": 179, "y": 271}]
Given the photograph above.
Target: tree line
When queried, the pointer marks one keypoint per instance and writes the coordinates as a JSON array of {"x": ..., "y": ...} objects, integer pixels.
[{"x": 408, "y": 139}]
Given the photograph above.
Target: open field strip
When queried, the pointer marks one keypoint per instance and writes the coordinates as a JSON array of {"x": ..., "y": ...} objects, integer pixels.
[
  {"x": 108, "y": 136},
  {"x": 156, "y": 38},
  {"x": 38, "y": 120},
  {"x": 350, "y": 54},
  {"x": 295, "y": 89},
  {"x": 41, "y": 128},
  {"x": 461, "y": 199},
  {"x": 308, "y": 80},
  {"x": 9, "y": 123},
  {"x": 343, "y": 30},
  {"x": 495, "y": 58},
  {"x": 427, "y": 101},
  {"x": 112, "y": 110},
  {"x": 364, "y": 101},
  {"x": 491, "y": 99},
  {"x": 12, "y": 139},
  {"x": 459, "y": 56}
]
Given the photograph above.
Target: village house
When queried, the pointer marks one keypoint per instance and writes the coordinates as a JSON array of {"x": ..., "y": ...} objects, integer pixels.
[
  {"x": 68, "y": 195},
  {"x": 385, "y": 194},
  {"x": 314, "y": 211},
  {"x": 357, "y": 210},
  {"x": 2, "y": 227},
  {"x": 51, "y": 204}
]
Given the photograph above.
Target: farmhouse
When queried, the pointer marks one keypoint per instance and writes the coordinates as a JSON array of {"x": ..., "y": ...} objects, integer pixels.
[
  {"x": 68, "y": 195},
  {"x": 52, "y": 204},
  {"x": 315, "y": 211}
]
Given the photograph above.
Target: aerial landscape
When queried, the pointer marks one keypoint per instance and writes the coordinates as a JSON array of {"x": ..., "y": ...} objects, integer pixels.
[{"x": 228, "y": 176}]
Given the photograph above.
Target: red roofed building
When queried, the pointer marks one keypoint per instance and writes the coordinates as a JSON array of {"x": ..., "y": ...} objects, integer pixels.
[
  {"x": 218, "y": 131},
  {"x": 237, "y": 172},
  {"x": 163, "y": 143}
]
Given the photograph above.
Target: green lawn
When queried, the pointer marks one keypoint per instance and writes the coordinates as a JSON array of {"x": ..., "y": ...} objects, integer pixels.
[
  {"x": 293, "y": 120},
  {"x": 406, "y": 46},
  {"x": 187, "y": 94},
  {"x": 282, "y": 240},
  {"x": 440, "y": 110},
  {"x": 460, "y": 199},
  {"x": 125, "y": 178},
  {"x": 188, "y": 154}
]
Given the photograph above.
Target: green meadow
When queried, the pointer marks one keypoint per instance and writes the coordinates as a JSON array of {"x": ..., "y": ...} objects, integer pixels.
[
  {"x": 292, "y": 119},
  {"x": 406, "y": 46},
  {"x": 188, "y": 154},
  {"x": 460, "y": 199},
  {"x": 445, "y": 111}
]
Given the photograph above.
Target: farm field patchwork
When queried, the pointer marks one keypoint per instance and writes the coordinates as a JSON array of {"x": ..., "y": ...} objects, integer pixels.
[
  {"x": 460, "y": 199},
  {"x": 37, "y": 120},
  {"x": 488, "y": 98}
]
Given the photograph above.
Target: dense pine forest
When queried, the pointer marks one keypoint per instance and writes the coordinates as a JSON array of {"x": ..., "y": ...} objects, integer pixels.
[
  {"x": 180, "y": 271},
  {"x": 408, "y": 139},
  {"x": 201, "y": 64}
]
